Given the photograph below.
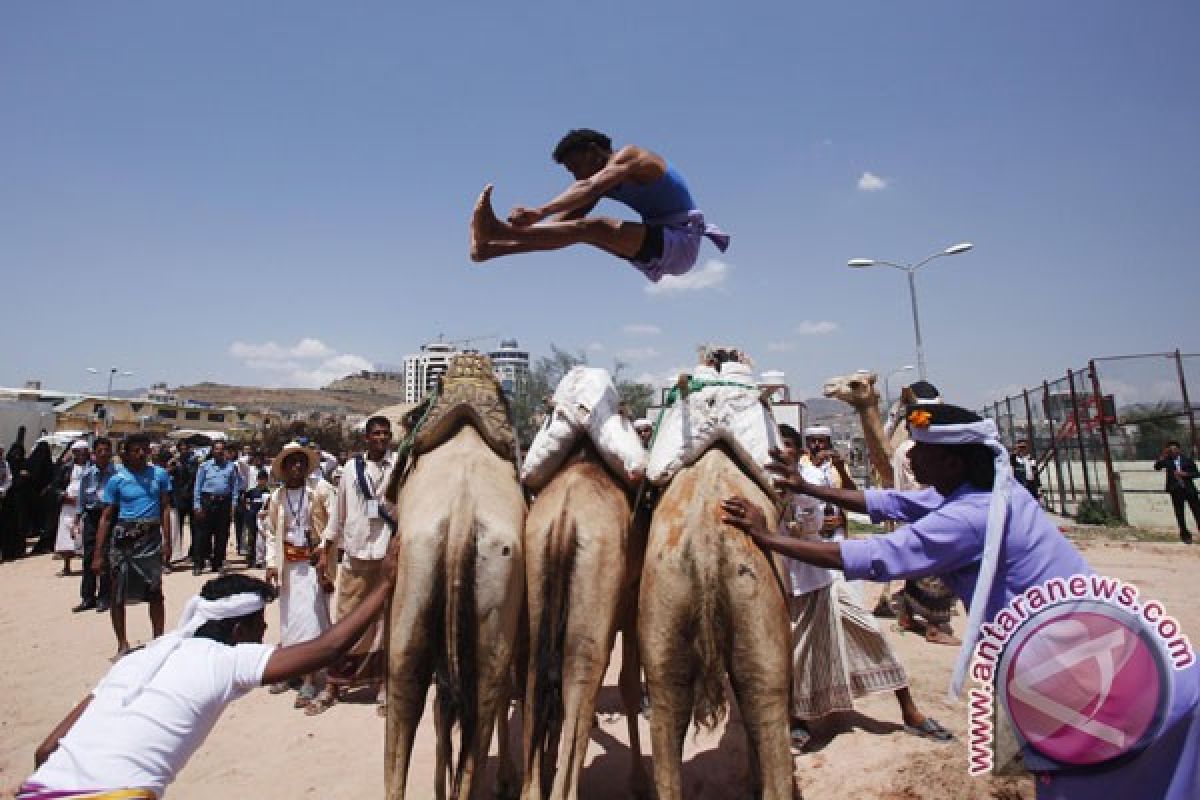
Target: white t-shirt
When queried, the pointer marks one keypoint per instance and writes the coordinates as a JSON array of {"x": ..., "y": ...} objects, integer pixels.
[
  {"x": 145, "y": 744},
  {"x": 808, "y": 513}
]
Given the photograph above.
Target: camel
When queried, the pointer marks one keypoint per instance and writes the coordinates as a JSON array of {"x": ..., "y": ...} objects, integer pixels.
[
  {"x": 454, "y": 614},
  {"x": 858, "y": 389},
  {"x": 583, "y": 557},
  {"x": 711, "y": 603}
]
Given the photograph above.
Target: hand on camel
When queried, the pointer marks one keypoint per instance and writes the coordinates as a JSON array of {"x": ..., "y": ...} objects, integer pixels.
[
  {"x": 391, "y": 561},
  {"x": 522, "y": 217},
  {"x": 787, "y": 478},
  {"x": 744, "y": 515}
]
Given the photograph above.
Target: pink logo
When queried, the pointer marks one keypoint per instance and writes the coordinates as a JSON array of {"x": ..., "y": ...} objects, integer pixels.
[{"x": 1083, "y": 686}]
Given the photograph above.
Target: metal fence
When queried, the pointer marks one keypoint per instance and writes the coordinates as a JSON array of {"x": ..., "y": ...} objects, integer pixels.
[{"x": 1097, "y": 431}]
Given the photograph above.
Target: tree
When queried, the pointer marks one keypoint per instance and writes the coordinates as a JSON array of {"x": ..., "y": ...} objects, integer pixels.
[
  {"x": 1156, "y": 424},
  {"x": 530, "y": 400}
]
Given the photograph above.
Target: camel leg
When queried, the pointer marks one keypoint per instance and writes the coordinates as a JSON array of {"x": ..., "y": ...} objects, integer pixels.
[
  {"x": 441, "y": 758},
  {"x": 508, "y": 785},
  {"x": 631, "y": 698},
  {"x": 583, "y": 672},
  {"x": 407, "y": 687},
  {"x": 759, "y": 670}
]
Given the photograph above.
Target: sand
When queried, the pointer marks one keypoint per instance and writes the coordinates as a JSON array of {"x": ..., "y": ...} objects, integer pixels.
[{"x": 263, "y": 748}]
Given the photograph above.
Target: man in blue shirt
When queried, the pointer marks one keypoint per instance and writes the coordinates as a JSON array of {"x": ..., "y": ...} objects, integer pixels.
[
  {"x": 91, "y": 506},
  {"x": 217, "y": 486},
  {"x": 137, "y": 514}
]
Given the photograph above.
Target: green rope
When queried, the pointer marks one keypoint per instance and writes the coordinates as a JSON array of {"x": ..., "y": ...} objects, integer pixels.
[
  {"x": 693, "y": 385},
  {"x": 410, "y": 440}
]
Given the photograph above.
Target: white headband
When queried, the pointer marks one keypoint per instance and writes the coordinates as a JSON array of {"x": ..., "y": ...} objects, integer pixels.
[
  {"x": 197, "y": 612},
  {"x": 985, "y": 433}
]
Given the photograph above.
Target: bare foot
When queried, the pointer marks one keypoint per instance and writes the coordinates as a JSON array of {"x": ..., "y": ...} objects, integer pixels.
[{"x": 483, "y": 222}]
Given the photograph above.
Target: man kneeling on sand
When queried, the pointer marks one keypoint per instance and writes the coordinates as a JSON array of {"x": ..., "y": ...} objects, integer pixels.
[{"x": 137, "y": 729}]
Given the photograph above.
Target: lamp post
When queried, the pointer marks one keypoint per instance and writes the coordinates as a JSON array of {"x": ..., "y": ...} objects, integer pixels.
[
  {"x": 112, "y": 373},
  {"x": 887, "y": 392},
  {"x": 911, "y": 271}
]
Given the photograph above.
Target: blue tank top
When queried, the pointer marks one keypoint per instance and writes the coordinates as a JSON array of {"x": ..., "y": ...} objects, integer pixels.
[{"x": 666, "y": 196}]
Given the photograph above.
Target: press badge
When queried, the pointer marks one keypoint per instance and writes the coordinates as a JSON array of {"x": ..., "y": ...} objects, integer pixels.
[{"x": 372, "y": 509}]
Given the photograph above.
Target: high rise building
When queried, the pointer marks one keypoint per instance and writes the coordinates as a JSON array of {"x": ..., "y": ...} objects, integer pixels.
[
  {"x": 422, "y": 370},
  {"x": 510, "y": 365}
]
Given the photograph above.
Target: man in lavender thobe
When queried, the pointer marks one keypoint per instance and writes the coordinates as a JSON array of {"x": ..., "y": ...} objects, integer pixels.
[{"x": 987, "y": 558}]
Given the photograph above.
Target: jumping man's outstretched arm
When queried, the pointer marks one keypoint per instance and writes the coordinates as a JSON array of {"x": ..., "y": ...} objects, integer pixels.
[{"x": 623, "y": 165}]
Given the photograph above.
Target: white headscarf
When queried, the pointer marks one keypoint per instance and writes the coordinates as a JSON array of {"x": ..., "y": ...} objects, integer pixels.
[
  {"x": 197, "y": 612},
  {"x": 982, "y": 432}
]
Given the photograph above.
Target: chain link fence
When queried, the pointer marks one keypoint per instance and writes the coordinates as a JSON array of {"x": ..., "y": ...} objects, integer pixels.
[{"x": 1096, "y": 432}]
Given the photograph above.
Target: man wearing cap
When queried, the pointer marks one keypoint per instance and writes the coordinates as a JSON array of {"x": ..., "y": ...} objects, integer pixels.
[
  {"x": 297, "y": 522},
  {"x": 991, "y": 544},
  {"x": 94, "y": 590},
  {"x": 217, "y": 486},
  {"x": 838, "y": 653},
  {"x": 66, "y": 487},
  {"x": 137, "y": 729}
]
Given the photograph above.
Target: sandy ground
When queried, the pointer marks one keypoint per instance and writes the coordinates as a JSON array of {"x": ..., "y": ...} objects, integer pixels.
[{"x": 263, "y": 748}]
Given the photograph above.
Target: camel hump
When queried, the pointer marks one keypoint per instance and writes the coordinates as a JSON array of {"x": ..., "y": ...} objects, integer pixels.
[
  {"x": 586, "y": 406},
  {"x": 469, "y": 394},
  {"x": 733, "y": 415}
]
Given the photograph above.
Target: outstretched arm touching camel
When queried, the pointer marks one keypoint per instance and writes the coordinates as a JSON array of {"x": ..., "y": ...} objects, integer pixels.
[
  {"x": 787, "y": 479},
  {"x": 748, "y": 518}
]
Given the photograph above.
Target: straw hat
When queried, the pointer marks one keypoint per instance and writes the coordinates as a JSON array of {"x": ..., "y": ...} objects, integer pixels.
[{"x": 310, "y": 457}]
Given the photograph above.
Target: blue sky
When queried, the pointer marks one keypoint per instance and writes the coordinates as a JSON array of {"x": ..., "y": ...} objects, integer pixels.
[{"x": 269, "y": 197}]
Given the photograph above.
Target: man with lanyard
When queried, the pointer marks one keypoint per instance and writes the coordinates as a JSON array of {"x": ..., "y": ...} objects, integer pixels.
[
  {"x": 991, "y": 543},
  {"x": 361, "y": 526},
  {"x": 666, "y": 241},
  {"x": 137, "y": 729},
  {"x": 91, "y": 506},
  {"x": 217, "y": 485},
  {"x": 135, "y": 528}
]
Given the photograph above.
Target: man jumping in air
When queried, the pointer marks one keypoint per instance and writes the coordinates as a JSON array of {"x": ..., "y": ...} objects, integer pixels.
[{"x": 666, "y": 241}]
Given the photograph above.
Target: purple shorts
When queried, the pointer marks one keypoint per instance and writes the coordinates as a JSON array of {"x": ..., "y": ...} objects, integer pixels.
[{"x": 682, "y": 235}]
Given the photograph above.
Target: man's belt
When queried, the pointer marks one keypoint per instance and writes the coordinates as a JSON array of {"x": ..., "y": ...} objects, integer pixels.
[
  {"x": 296, "y": 552},
  {"x": 214, "y": 498},
  {"x": 128, "y": 530}
]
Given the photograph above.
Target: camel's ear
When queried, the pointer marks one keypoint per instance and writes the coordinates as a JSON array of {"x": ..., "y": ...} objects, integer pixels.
[{"x": 871, "y": 378}]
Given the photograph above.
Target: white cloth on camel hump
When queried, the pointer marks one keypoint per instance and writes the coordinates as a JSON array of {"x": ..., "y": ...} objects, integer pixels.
[
  {"x": 731, "y": 412},
  {"x": 585, "y": 403}
]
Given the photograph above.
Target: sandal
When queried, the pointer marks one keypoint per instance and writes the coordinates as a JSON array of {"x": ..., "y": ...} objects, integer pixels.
[
  {"x": 321, "y": 703},
  {"x": 930, "y": 729},
  {"x": 278, "y": 688},
  {"x": 306, "y": 695},
  {"x": 800, "y": 737}
]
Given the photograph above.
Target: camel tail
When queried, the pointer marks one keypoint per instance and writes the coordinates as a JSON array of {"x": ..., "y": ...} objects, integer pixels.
[
  {"x": 458, "y": 676},
  {"x": 559, "y": 566},
  {"x": 709, "y": 630}
]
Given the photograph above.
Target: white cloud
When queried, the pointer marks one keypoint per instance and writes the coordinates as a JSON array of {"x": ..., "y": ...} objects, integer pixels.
[
  {"x": 710, "y": 276},
  {"x": 641, "y": 329},
  {"x": 308, "y": 363},
  {"x": 637, "y": 353},
  {"x": 810, "y": 327},
  {"x": 780, "y": 347},
  {"x": 870, "y": 182}
]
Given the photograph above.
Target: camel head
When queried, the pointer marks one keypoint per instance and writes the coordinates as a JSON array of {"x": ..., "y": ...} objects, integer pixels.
[{"x": 857, "y": 389}]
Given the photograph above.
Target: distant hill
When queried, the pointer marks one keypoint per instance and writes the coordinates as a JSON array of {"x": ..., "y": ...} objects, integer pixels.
[{"x": 287, "y": 400}]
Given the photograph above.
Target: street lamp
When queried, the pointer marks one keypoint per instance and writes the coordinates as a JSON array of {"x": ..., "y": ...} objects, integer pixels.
[
  {"x": 911, "y": 270},
  {"x": 887, "y": 392},
  {"x": 112, "y": 373}
]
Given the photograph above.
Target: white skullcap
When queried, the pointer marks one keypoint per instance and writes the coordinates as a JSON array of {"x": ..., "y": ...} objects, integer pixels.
[{"x": 79, "y": 444}]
